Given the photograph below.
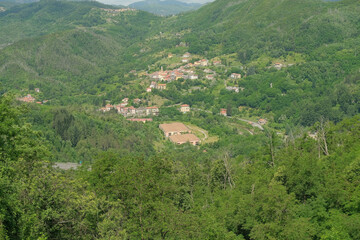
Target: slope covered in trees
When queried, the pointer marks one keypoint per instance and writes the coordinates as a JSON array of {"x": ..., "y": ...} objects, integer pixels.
[
  {"x": 318, "y": 40},
  {"x": 83, "y": 45},
  {"x": 302, "y": 192},
  {"x": 263, "y": 26},
  {"x": 39, "y": 18},
  {"x": 298, "y": 178}
]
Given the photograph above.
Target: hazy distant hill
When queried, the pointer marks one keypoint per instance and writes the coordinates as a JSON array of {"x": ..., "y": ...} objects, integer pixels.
[{"x": 166, "y": 7}]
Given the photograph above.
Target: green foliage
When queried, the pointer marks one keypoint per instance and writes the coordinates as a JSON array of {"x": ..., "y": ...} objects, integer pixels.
[
  {"x": 180, "y": 194},
  {"x": 135, "y": 185}
]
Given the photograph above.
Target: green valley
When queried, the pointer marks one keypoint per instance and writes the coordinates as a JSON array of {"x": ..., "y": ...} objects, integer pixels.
[{"x": 239, "y": 120}]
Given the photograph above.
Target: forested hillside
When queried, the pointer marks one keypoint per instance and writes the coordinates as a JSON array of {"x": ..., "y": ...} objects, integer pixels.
[
  {"x": 36, "y": 19},
  {"x": 320, "y": 41},
  {"x": 301, "y": 192},
  {"x": 82, "y": 45},
  {"x": 266, "y": 94}
]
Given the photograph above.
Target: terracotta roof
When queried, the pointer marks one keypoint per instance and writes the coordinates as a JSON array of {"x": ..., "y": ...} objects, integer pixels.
[
  {"x": 185, "y": 105},
  {"x": 174, "y": 127},
  {"x": 184, "y": 138}
]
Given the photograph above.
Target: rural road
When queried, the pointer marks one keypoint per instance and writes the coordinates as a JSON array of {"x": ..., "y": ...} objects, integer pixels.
[{"x": 254, "y": 124}]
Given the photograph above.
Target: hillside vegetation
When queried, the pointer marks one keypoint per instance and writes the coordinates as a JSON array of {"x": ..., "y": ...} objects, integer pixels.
[
  {"x": 87, "y": 44},
  {"x": 321, "y": 38},
  {"x": 270, "y": 86},
  {"x": 259, "y": 26},
  {"x": 301, "y": 192},
  {"x": 44, "y": 17}
]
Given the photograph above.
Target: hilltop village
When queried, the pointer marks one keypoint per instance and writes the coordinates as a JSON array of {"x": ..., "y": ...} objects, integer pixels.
[{"x": 159, "y": 79}]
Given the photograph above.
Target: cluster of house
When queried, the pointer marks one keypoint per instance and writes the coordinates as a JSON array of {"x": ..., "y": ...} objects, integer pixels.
[
  {"x": 184, "y": 72},
  {"x": 171, "y": 75},
  {"x": 179, "y": 133},
  {"x": 210, "y": 74},
  {"x": 235, "y": 89},
  {"x": 216, "y": 62},
  {"x": 235, "y": 76},
  {"x": 28, "y": 98},
  {"x": 187, "y": 72},
  {"x": 200, "y": 63},
  {"x": 232, "y": 88},
  {"x": 186, "y": 57},
  {"x": 131, "y": 111},
  {"x": 119, "y": 10},
  {"x": 155, "y": 85}
]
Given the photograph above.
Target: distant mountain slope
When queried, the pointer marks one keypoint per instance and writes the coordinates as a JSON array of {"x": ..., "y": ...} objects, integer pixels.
[
  {"x": 273, "y": 25},
  {"x": 71, "y": 44},
  {"x": 165, "y": 7},
  {"x": 258, "y": 33},
  {"x": 39, "y": 18}
]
